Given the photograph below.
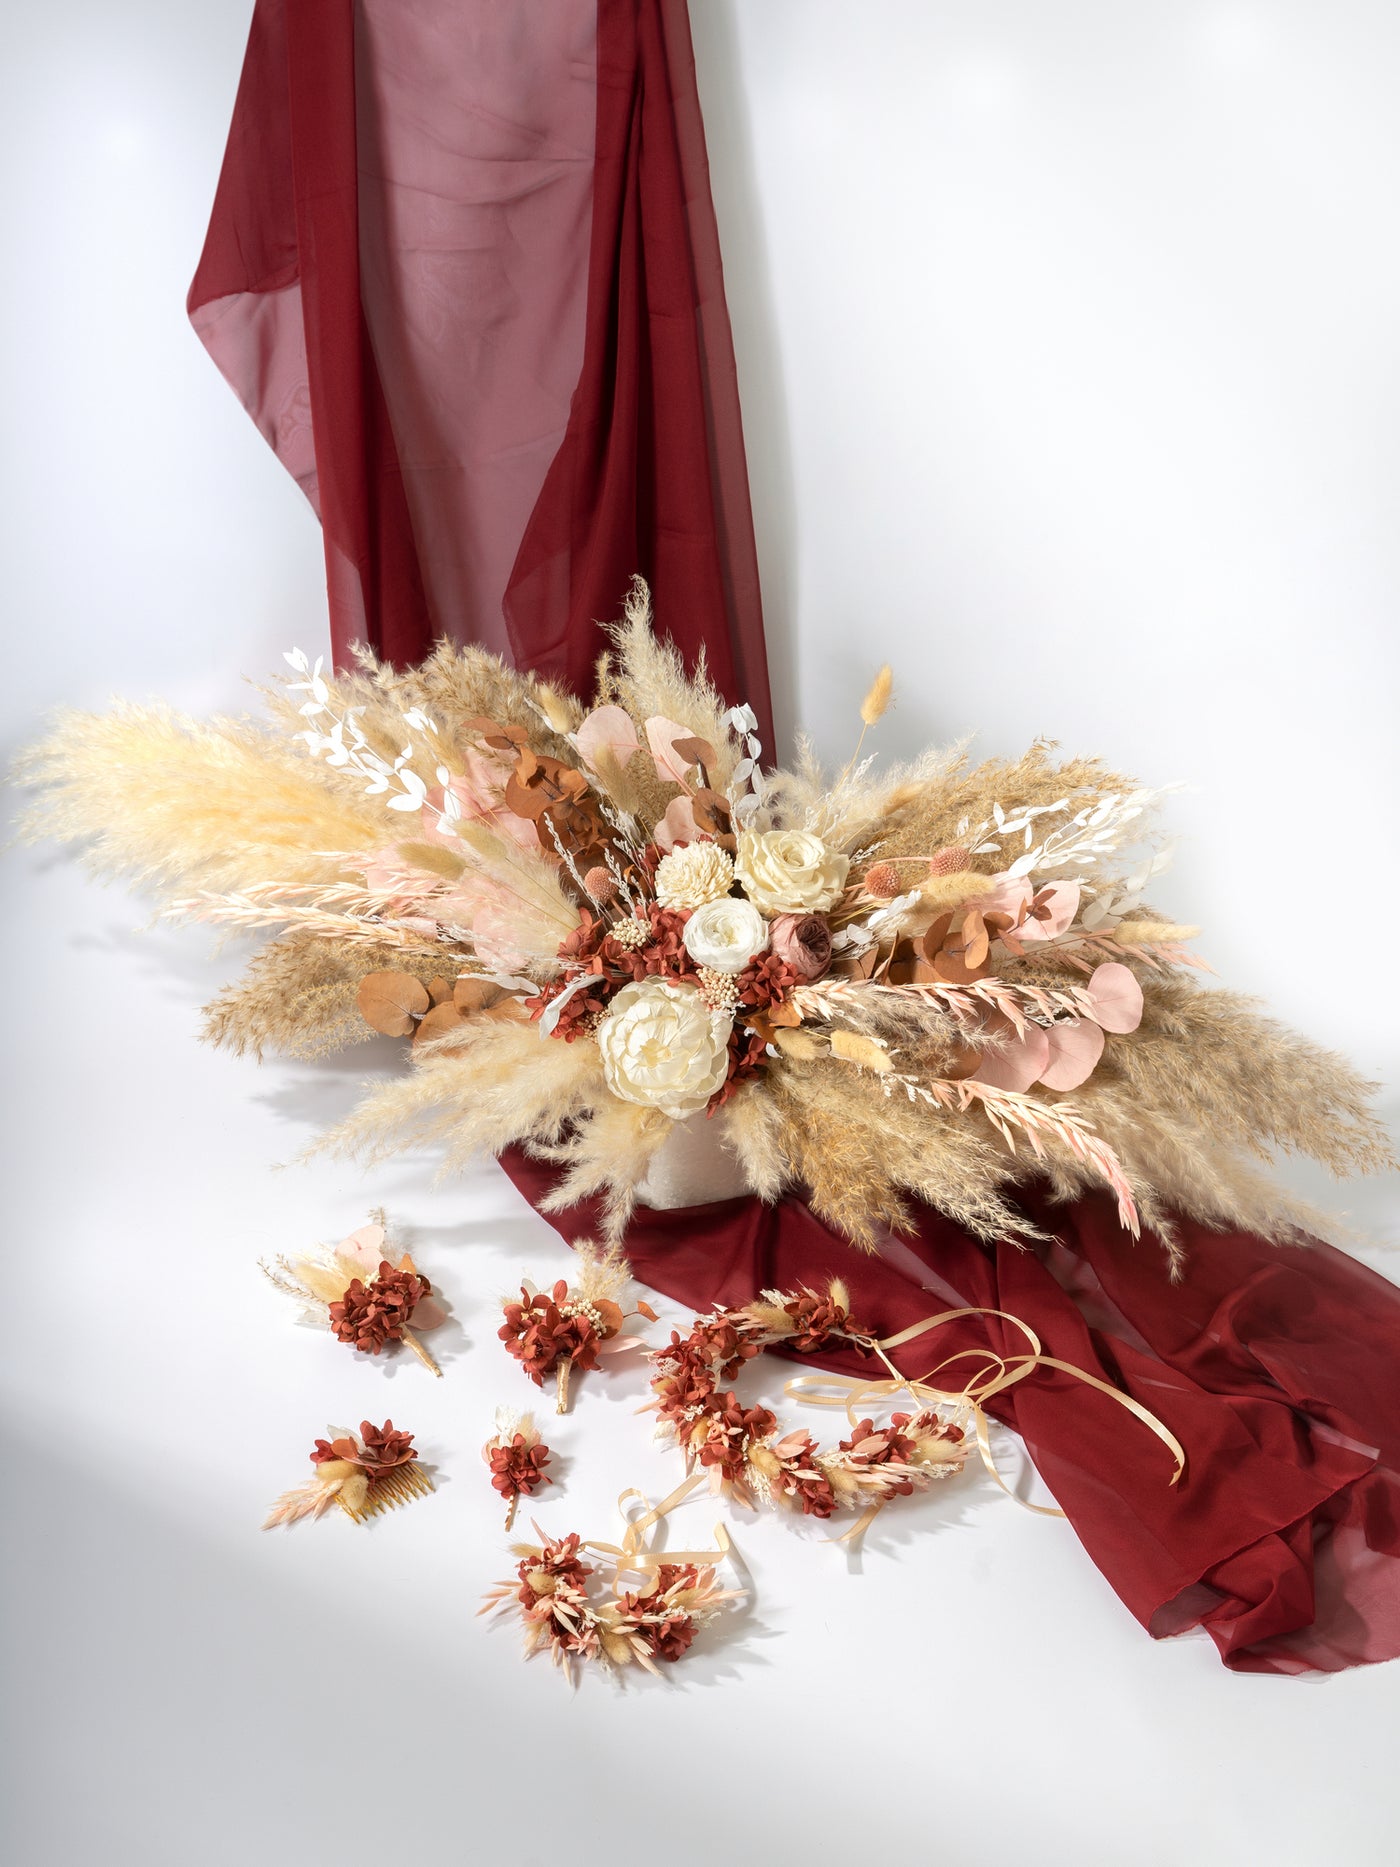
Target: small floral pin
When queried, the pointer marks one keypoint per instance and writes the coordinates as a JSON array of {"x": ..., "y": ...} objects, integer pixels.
[{"x": 517, "y": 1457}]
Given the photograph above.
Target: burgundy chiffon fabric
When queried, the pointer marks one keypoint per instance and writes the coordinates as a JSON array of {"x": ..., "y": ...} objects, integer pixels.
[
  {"x": 1275, "y": 1367},
  {"x": 463, "y": 272}
]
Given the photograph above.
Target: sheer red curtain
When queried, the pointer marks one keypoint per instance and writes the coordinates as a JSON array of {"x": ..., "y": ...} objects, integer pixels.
[{"x": 463, "y": 272}]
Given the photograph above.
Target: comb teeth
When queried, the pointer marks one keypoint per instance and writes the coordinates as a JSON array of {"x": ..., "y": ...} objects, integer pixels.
[{"x": 399, "y": 1486}]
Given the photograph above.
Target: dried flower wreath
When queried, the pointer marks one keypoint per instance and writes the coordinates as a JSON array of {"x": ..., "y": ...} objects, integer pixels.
[
  {"x": 516, "y": 1456},
  {"x": 354, "y": 1290},
  {"x": 551, "y": 1590},
  {"x": 376, "y": 1472},
  {"x": 600, "y": 924},
  {"x": 742, "y": 1449},
  {"x": 552, "y": 1333},
  {"x": 747, "y": 1456}
]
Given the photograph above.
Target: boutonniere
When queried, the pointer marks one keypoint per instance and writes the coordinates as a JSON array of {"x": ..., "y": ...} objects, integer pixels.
[
  {"x": 364, "y": 1290},
  {"x": 550, "y": 1333}
]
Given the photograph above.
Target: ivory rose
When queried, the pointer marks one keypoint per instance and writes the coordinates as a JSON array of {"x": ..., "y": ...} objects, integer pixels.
[
  {"x": 725, "y": 935},
  {"x": 790, "y": 871},
  {"x": 663, "y": 1047}
]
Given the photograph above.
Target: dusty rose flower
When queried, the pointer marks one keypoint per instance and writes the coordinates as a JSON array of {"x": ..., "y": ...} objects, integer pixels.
[{"x": 802, "y": 941}]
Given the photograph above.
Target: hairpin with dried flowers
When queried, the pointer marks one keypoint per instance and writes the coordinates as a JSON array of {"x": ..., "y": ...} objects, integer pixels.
[
  {"x": 554, "y": 1332},
  {"x": 552, "y": 1587},
  {"x": 375, "y": 1472},
  {"x": 355, "y": 1290},
  {"x": 517, "y": 1457},
  {"x": 744, "y": 1451}
]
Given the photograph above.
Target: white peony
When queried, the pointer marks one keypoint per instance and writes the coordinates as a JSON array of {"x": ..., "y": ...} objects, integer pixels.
[
  {"x": 693, "y": 874},
  {"x": 663, "y": 1046},
  {"x": 725, "y": 935},
  {"x": 790, "y": 871}
]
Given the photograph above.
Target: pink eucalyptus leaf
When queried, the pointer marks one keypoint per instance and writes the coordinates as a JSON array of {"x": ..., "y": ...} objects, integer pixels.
[
  {"x": 662, "y": 735},
  {"x": 1056, "y": 906},
  {"x": 607, "y": 729},
  {"x": 1008, "y": 894},
  {"x": 1017, "y": 1063},
  {"x": 677, "y": 826},
  {"x": 364, "y": 1247},
  {"x": 1116, "y": 997},
  {"x": 428, "y": 1313},
  {"x": 615, "y": 1344},
  {"x": 1074, "y": 1050}
]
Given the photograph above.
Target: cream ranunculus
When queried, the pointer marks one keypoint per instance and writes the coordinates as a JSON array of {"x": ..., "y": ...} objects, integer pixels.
[
  {"x": 725, "y": 935},
  {"x": 790, "y": 871},
  {"x": 663, "y": 1046},
  {"x": 693, "y": 874}
]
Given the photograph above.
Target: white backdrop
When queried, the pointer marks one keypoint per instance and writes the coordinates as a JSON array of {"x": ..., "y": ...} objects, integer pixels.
[{"x": 1067, "y": 336}]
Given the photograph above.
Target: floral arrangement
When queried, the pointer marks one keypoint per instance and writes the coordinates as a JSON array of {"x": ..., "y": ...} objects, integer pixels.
[
  {"x": 743, "y": 1450},
  {"x": 552, "y": 1333},
  {"x": 516, "y": 1457},
  {"x": 597, "y": 924},
  {"x": 375, "y": 1472},
  {"x": 355, "y": 1291},
  {"x": 551, "y": 1593}
]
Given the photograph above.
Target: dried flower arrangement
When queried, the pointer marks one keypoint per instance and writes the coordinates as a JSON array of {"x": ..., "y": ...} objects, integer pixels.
[
  {"x": 553, "y": 1333},
  {"x": 597, "y": 925},
  {"x": 354, "y": 1290},
  {"x": 375, "y": 1472},
  {"x": 516, "y": 1456},
  {"x": 550, "y": 1590},
  {"x": 743, "y": 1450}
]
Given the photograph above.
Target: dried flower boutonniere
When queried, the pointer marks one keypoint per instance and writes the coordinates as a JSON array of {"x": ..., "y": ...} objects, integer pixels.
[
  {"x": 554, "y": 1332},
  {"x": 375, "y": 1472},
  {"x": 357, "y": 1291},
  {"x": 517, "y": 1457}
]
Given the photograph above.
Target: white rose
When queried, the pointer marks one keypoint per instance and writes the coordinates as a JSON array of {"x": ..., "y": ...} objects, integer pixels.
[
  {"x": 663, "y": 1046},
  {"x": 692, "y": 875},
  {"x": 790, "y": 871},
  {"x": 725, "y": 935}
]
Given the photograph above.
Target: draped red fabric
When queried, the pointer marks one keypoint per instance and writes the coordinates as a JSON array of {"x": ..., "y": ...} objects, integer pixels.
[
  {"x": 1276, "y": 1367},
  {"x": 463, "y": 272}
]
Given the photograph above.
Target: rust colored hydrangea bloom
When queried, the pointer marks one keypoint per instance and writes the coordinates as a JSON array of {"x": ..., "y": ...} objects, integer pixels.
[
  {"x": 369, "y": 1315},
  {"x": 818, "y": 1318},
  {"x": 517, "y": 1469},
  {"x": 540, "y": 1336}
]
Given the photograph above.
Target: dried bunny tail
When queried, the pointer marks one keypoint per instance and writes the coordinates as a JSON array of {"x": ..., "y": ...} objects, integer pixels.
[
  {"x": 647, "y": 677},
  {"x": 297, "y": 997},
  {"x": 176, "y": 802},
  {"x": 482, "y": 1089},
  {"x": 1245, "y": 1079},
  {"x": 607, "y": 1151}
]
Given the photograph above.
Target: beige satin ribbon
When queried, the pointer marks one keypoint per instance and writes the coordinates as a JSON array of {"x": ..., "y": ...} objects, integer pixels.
[
  {"x": 631, "y": 1555},
  {"x": 1002, "y": 1372}
]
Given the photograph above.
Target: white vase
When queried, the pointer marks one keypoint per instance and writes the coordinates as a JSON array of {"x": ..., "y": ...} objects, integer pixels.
[{"x": 693, "y": 1166}]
